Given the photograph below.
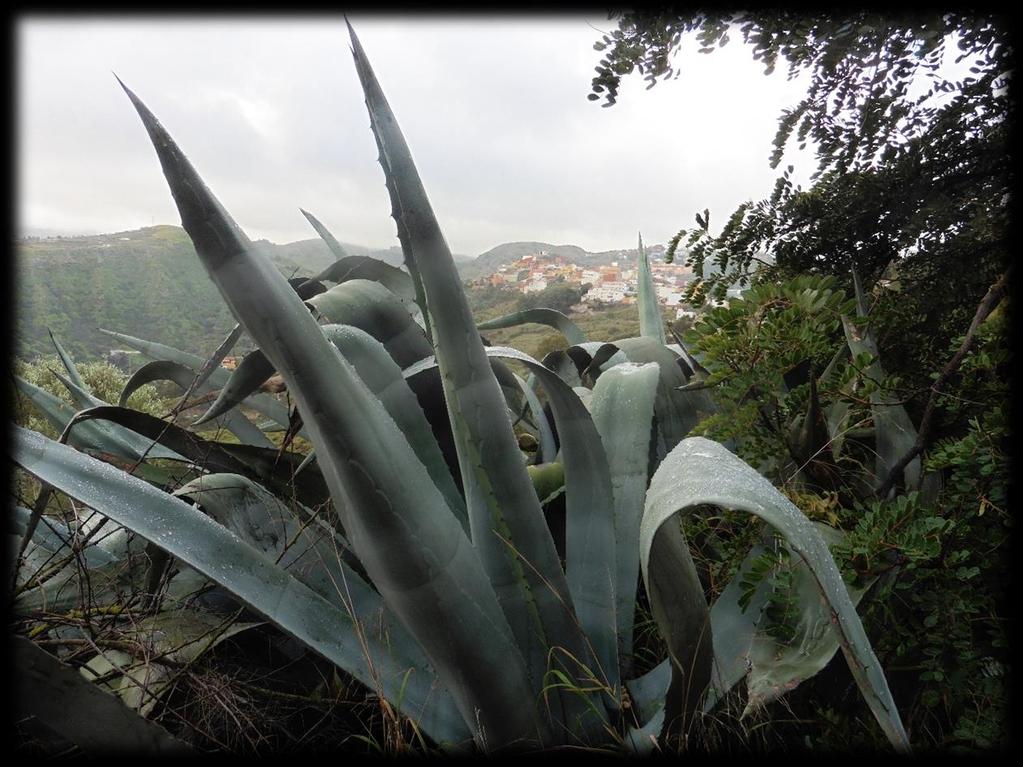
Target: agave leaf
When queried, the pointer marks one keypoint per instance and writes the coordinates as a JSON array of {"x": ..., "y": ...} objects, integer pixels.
[
  {"x": 775, "y": 667},
  {"x": 375, "y": 270},
  {"x": 651, "y": 324},
  {"x": 742, "y": 646},
  {"x": 837, "y": 416},
  {"x": 179, "y": 636},
  {"x": 306, "y": 287},
  {"x": 269, "y": 465},
  {"x": 548, "y": 450},
  {"x": 114, "y": 567},
  {"x": 300, "y": 540},
  {"x": 604, "y": 357},
  {"x": 251, "y": 373},
  {"x": 57, "y": 412},
  {"x": 52, "y": 536},
  {"x": 384, "y": 378},
  {"x": 68, "y": 363},
  {"x": 213, "y": 363},
  {"x": 508, "y": 528},
  {"x": 678, "y": 607},
  {"x": 561, "y": 363},
  {"x": 697, "y": 372},
  {"x": 107, "y": 439},
  {"x": 550, "y": 317},
  {"x": 143, "y": 448},
  {"x": 199, "y": 541},
  {"x": 894, "y": 432},
  {"x": 809, "y": 438},
  {"x": 548, "y": 480},
  {"x": 308, "y": 547},
  {"x": 589, "y": 534},
  {"x": 99, "y": 724},
  {"x": 373, "y": 308},
  {"x": 43, "y": 553},
  {"x": 382, "y": 375},
  {"x": 677, "y": 412},
  {"x": 701, "y": 472},
  {"x": 348, "y": 267},
  {"x": 82, "y": 398},
  {"x": 830, "y": 369},
  {"x": 159, "y": 370},
  {"x": 261, "y": 403},
  {"x": 622, "y": 407},
  {"x": 335, "y": 247},
  {"x": 412, "y": 547},
  {"x": 165, "y": 370}
]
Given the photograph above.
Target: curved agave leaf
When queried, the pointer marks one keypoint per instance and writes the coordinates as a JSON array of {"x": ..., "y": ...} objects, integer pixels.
[
  {"x": 199, "y": 541},
  {"x": 622, "y": 407},
  {"x": 299, "y": 539},
  {"x": 348, "y": 267},
  {"x": 561, "y": 363},
  {"x": 265, "y": 464},
  {"x": 503, "y": 508},
  {"x": 373, "y": 269},
  {"x": 373, "y": 308},
  {"x": 213, "y": 363},
  {"x": 543, "y": 316},
  {"x": 651, "y": 324},
  {"x": 360, "y": 349},
  {"x": 159, "y": 370},
  {"x": 251, "y": 373},
  {"x": 776, "y": 667},
  {"x": 603, "y": 357},
  {"x": 399, "y": 524},
  {"x": 261, "y": 403},
  {"x": 701, "y": 472},
  {"x": 742, "y": 646},
  {"x": 165, "y": 370}
]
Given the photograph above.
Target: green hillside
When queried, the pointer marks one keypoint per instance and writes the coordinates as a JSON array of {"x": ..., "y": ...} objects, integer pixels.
[{"x": 148, "y": 283}]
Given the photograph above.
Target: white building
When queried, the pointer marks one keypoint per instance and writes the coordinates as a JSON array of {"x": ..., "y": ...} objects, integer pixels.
[{"x": 609, "y": 292}]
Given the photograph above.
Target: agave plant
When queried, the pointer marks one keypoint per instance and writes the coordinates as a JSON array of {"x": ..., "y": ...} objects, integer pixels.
[{"x": 439, "y": 582}]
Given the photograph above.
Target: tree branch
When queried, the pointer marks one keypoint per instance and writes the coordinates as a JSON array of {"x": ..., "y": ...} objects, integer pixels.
[{"x": 987, "y": 305}]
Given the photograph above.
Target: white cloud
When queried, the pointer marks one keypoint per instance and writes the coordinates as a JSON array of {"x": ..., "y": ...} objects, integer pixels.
[{"x": 495, "y": 112}]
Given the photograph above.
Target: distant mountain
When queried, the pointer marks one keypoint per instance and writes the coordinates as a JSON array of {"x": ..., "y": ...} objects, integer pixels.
[{"x": 147, "y": 283}]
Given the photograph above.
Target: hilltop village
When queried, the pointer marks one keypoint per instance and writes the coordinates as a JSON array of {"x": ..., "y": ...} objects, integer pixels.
[{"x": 609, "y": 284}]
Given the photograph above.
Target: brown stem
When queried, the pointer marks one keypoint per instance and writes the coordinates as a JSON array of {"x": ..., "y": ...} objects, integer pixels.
[{"x": 987, "y": 305}]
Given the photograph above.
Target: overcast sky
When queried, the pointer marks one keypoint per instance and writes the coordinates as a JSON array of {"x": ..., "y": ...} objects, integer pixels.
[{"x": 494, "y": 109}]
